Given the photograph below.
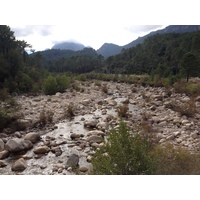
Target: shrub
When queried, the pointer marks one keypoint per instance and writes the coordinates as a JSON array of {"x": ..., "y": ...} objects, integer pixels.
[
  {"x": 70, "y": 110},
  {"x": 50, "y": 86},
  {"x": 63, "y": 83},
  {"x": 104, "y": 88},
  {"x": 175, "y": 161},
  {"x": 124, "y": 153},
  {"x": 188, "y": 108},
  {"x": 122, "y": 110},
  {"x": 128, "y": 153}
]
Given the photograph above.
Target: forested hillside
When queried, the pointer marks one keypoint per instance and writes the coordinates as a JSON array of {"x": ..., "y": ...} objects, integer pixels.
[{"x": 161, "y": 53}]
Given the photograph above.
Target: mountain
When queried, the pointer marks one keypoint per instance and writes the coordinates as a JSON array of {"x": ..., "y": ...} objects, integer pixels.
[
  {"x": 55, "y": 54},
  {"x": 69, "y": 46},
  {"x": 107, "y": 50}
]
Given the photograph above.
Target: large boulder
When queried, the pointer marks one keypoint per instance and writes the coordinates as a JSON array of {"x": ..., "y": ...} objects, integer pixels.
[
  {"x": 19, "y": 165},
  {"x": 72, "y": 161},
  {"x": 1, "y": 145},
  {"x": 32, "y": 136},
  {"x": 16, "y": 144}
]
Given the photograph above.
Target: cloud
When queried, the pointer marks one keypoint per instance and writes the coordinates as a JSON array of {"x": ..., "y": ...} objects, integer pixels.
[
  {"x": 23, "y": 31},
  {"x": 140, "y": 29}
]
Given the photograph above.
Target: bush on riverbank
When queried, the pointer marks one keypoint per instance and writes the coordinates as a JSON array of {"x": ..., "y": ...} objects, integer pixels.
[{"x": 127, "y": 153}]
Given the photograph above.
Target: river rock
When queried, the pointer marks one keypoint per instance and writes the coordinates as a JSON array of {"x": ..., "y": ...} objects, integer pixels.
[
  {"x": 96, "y": 132},
  {"x": 1, "y": 145},
  {"x": 2, "y": 163},
  {"x": 94, "y": 139},
  {"x": 83, "y": 169},
  {"x": 90, "y": 123},
  {"x": 32, "y": 136},
  {"x": 41, "y": 150},
  {"x": 86, "y": 102},
  {"x": 72, "y": 161},
  {"x": 16, "y": 144},
  {"x": 102, "y": 126},
  {"x": 75, "y": 136},
  {"x": 19, "y": 165},
  {"x": 4, "y": 154}
]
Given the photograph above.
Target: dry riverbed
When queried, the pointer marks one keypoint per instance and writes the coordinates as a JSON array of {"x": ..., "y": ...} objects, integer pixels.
[{"x": 65, "y": 142}]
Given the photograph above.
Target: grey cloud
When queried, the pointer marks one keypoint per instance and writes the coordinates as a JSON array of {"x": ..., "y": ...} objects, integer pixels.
[
  {"x": 138, "y": 29},
  {"x": 27, "y": 30}
]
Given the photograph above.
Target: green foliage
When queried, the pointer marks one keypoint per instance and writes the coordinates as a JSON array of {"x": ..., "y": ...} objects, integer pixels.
[
  {"x": 125, "y": 153},
  {"x": 189, "y": 64},
  {"x": 63, "y": 83},
  {"x": 50, "y": 86},
  {"x": 8, "y": 111},
  {"x": 172, "y": 160}
]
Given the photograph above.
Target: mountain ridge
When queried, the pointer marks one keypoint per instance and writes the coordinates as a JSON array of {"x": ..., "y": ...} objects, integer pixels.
[{"x": 107, "y": 50}]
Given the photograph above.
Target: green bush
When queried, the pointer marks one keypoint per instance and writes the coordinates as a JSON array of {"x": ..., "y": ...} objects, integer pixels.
[
  {"x": 128, "y": 153},
  {"x": 63, "y": 83},
  {"x": 50, "y": 86},
  {"x": 125, "y": 153}
]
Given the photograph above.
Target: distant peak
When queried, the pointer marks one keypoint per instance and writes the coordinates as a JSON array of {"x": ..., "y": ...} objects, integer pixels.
[{"x": 69, "y": 45}]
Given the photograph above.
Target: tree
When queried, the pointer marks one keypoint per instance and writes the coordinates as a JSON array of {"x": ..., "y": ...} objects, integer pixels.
[
  {"x": 7, "y": 39},
  {"x": 189, "y": 64},
  {"x": 22, "y": 45}
]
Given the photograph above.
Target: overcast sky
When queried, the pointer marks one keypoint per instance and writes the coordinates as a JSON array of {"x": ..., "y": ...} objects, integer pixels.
[
  {"x": 45, "y": 36},
  {"x": 92, "y": 22}
]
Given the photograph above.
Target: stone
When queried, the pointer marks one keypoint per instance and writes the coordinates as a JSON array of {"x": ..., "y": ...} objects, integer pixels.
[
  {"x": 19, "y": 165},
  {"x": 3, "y": 135},
  {"x": 177, "y": 133},
  {"x": 72, "y": 161},
  {"x": 90, "y": 123},
  {"x": 86, "y": 102},
  {"x": 103, "y": 126},
  {"x": 16, "y": 144},
  {"x": 95, "y": 145},
  {"x": 17, "y": 134},
  {"x": 2, "y": 164},
  {"x": 96, "y": 132},
  {"x": 94, "y": 139},
  {"x": 4, "y": 154},
  {"x": 171, "y": 137},
  {"x": 75, "y": 136},
  {"x": 194, "y": 135},
  {"x": 83, "y": 169},
  {"x": 1, "y": 145},
  {"x": 41, "y": 150},
  {"x": 32, "y": 136}
]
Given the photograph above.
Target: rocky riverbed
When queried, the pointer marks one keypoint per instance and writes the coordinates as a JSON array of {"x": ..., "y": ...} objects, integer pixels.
[{"x": 58, "y": 139}]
